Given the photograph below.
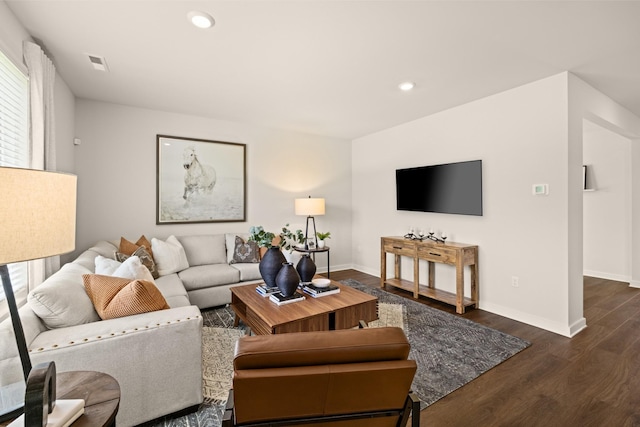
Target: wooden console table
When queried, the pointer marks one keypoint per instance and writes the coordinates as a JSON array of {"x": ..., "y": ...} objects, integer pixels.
[{"x": 456, "y": 254}]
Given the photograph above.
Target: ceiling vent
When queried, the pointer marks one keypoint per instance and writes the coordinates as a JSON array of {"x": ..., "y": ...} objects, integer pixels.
[{"x": 98, "y": 62}]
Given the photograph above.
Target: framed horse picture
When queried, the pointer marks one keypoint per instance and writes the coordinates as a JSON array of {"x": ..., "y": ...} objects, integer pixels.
[{"x": 199, "y": 180}]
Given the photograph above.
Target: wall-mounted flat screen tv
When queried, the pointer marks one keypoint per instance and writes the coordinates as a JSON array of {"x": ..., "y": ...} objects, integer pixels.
[{"x": 454, "y": 188}]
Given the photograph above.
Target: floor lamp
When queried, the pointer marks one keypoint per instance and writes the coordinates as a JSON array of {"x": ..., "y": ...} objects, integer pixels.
[
  {"x": 37, "y": 220},
  {"x": 310, "y": 207}
]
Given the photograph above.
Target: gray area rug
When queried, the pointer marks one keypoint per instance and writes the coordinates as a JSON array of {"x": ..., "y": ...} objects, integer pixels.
[{"x": 450, "y": 352}]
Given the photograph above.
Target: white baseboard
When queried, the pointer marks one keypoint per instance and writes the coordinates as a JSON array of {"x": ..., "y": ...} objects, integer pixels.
[
  {"x": 557, "y": 328},
  {"x": 529, "y": 319},
  {"x": 335, "y": 268},
  {"x": 577, "y": 327},
  {"x": 607, "y": 276},
  {"x": 634, "y": 283}
]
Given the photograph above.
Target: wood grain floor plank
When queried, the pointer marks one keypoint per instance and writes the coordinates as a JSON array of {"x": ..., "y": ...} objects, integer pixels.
[{"x": 592, "y": 379}]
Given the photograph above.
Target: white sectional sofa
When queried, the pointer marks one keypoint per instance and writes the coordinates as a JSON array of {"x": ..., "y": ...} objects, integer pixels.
[{"x": 156, "y": 357}]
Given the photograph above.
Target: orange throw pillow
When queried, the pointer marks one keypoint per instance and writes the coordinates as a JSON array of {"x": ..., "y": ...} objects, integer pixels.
[
  {"x": 118, "y": 297},
  {"x": 128, "y": 248}
]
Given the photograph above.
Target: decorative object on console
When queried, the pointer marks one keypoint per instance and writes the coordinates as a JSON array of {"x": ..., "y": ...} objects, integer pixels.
[
  {"x": 310, "y": 207},
  {"x": 322, "y": 237},
  {"x": 421, "y": 236},
  {"x": 287, "y": 279},
  {"x": 306, "y": 268},
  {"x": 38, "y": 220},
  {"x": 187, "y": 178}
]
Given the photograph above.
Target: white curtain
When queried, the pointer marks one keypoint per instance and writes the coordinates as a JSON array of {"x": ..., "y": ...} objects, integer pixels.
[{"x": 42, "y": 77}]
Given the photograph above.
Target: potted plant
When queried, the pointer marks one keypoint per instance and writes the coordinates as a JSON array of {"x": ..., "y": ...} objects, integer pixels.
[{"x": 322, "y": 237}]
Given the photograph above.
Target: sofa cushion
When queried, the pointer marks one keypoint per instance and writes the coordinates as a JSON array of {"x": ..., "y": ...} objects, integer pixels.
[
  {"x": 105, "y": 248},
  {"x": 131, "y": 268},
  {"x": 204, "y": 249},
  {"x": 170, "y": 255},
  {"x": 205, "y": 276},
  {"x": 61, "y": 301},
  {"x": 145, "y": 257},
  {"x": 173, "y": 290},
  {"x": 248, "y": 271},
  {"x": 118, "y": 297}
]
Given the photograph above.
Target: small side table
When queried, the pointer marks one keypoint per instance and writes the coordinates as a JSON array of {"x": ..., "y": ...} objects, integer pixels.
[
  {"x": 101, "y": 393},
  {"x": 313, "y": 253}
]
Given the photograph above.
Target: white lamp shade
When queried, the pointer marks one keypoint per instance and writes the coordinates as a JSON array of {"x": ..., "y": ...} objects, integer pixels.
[
  {"x": 309, "y": 206},
  {"x": 37, "y": 214}
]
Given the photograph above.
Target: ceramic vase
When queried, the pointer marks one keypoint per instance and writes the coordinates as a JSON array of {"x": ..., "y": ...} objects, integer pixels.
[
  {"x": 270, "y": 265},
  {"x": 320, "y": 244},
  {"x": 287, "y": 279},
  {"x": 306, "y": 268}
]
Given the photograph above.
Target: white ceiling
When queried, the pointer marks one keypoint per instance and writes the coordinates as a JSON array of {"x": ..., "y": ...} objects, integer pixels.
[{"x": 332, "y": 67}]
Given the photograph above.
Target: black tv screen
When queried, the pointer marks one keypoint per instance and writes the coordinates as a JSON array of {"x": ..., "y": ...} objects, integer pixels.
[{"x": 454, "y": 188}]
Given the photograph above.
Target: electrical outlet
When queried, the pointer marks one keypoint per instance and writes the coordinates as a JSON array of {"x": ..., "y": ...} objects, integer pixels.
[{"x": 515, "y": 281}]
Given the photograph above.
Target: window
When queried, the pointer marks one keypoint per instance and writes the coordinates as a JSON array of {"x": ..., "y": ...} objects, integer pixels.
[{"x": 14, "y": 147}]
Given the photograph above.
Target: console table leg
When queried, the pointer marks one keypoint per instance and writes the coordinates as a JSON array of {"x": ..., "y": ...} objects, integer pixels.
[
  {"x": 459, "y": 286},
  {"x": 432, "y": 273}
]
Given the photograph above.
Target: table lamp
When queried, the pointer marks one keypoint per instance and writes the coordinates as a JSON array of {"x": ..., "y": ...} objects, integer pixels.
[
  {"x": 38, "y": 220},
  {"x": 310, "y": 207}
]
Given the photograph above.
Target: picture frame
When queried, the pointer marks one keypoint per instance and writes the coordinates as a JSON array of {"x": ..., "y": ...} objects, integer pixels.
[{"x": 200, "y": 180}]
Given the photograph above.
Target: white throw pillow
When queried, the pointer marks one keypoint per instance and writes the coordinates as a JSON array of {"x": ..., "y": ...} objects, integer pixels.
[
  {"x": 170, "y": 256},
  {"x": 132, "y": 268}
]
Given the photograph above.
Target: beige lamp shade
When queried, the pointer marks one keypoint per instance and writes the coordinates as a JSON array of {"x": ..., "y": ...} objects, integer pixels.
[
  {"x": 309, "y": 206},
  {"x": 37, "y": 214}
]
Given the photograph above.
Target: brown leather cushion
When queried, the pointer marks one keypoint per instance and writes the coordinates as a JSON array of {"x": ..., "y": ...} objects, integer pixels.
[
  {"x": 118, "y": 297},
  {"x": 326, "y": 347},
  {"x": 312, "y": 374}
]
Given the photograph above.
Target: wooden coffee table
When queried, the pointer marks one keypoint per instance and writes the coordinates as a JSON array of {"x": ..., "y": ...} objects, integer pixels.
[{"x": 338, "y": 311}]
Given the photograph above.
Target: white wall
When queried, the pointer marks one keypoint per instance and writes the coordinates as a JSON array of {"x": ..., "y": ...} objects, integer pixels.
[
  {"x": 585, "y": 102},
  {"x": 607, "y": 209},
  {"x": 116, "y": 167},
  {"x": 12, "y": 35},
  {"x": 521, "y": 137}
]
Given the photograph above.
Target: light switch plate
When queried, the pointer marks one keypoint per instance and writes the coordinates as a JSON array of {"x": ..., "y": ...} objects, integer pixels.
[{"x": 540, "y": 189}]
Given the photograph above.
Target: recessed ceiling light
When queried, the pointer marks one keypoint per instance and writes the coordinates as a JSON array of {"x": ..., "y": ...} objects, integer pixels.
[
  {"x": 406, "y": 86},
  {"x": 201, "y": 19}
]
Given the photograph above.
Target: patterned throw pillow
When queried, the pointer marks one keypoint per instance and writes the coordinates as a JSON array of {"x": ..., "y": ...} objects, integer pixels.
[
  {"x": 128, "y": 248},
  {"x": 145, "y": 258},
  {"x": 118, "y": 297},
  {"x": 245, "y": 252}
]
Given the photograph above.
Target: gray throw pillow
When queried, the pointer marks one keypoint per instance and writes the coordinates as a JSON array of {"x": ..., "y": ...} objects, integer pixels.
[{"x": 245, "y": 252}]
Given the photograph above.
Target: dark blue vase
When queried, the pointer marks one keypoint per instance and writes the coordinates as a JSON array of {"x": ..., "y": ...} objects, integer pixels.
[
  {"x": 287, "y": 279},
  {"x": 270, "y": 265},
  {"x": 306, "y": 268}
]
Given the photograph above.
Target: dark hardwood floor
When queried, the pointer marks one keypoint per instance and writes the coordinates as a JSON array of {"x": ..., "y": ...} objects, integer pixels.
[{"x": 592, "y": 379}]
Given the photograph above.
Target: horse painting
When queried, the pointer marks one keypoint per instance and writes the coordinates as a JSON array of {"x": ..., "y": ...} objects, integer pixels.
[{"x": 198, "y": 178}]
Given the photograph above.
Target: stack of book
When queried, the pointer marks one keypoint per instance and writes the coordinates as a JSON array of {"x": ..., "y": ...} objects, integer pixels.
[
  {"x": 65, "y": 412},
  {"x": 316, "y": 291},
  {"x": 280, "y": 299},
  {"x": 266, "y": 291}
]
